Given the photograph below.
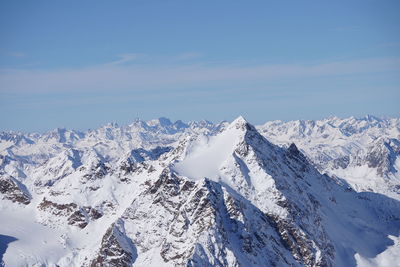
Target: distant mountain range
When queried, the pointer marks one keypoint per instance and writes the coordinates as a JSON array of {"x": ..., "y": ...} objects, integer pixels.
[{"x": 162, "y": 193}]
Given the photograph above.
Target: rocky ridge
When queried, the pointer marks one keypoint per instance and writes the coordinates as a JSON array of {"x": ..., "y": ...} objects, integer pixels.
[{"x": 175, "y": 194}]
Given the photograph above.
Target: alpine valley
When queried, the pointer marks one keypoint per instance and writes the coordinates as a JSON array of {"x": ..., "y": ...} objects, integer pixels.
[{"x": 162, "y": 193}]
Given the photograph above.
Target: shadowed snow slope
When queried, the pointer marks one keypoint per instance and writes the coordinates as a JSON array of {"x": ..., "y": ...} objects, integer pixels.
[
  {"x": 164, "y": 193},
  {"x": 364, "y": 152},
  {"x": 282, "y": 183}
]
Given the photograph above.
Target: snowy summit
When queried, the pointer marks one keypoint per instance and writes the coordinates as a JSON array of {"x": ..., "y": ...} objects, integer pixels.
[{"x": 163, "y": 193}]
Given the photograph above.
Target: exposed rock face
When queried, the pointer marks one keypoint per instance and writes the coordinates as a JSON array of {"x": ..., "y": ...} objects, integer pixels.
[
  {"x": 13, "y": 190},
  {"x": 199, "y": 224},
  {"x": 83, "y": 215},
  {"x": 57, "y": 209},
  {"x": 98, "y": 171},
  {"x": 362, "y": 152},
  {"x": 174, "y": 194},
  {"x": 382, "y": 156},
  {"x": 116, "y": 248},
  {"x": 301, "y": 229},
  {"x": 342, "y": 162},
  {"x": 78, "y": 216}
]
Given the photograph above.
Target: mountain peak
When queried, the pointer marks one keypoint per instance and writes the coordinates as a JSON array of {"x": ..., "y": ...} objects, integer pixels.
[
  {"x": 203, "y": 194},
  {"x": 162, "y": 121},
  {"x": 240, "y": 123},
  {"x": 293, "y": 149},
  {"x": 111, "y": 125},
  {"x": 372, "y": 118},
  {"x": 240, "y": 120}
]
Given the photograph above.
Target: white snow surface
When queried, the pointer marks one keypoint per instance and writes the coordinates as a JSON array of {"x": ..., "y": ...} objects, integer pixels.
[
  {"x": 34, "y": 243},
  {"x": 328, "y": 141},
  {"x": 208, "y": 153},
  {"x": 113, "y": 170}
]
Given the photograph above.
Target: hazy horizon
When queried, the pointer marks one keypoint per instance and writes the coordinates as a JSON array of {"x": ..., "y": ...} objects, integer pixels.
[
  {"x": 80, "y": 65},
  {"x": 173, "y": 121}
]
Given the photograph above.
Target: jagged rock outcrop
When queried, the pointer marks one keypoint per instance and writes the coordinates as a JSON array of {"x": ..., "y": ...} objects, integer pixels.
[
  {"x": 14, "y": 190},
  {"x": 161, "y": 193},
  {"x": 116, "y": 248},
  {"x": 360, "y": 151},
  {"x": 78, "y": 216},
  {"x": 202, "y": 224},
  {"x": 381, "y": 155}
]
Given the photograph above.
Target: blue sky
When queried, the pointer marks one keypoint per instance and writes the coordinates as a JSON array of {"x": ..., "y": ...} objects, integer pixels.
[{"x": 80, "y": 64}]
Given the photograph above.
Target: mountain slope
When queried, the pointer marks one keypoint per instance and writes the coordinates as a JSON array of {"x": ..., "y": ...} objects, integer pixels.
[
  {"x": 189, "y": 195},
  {"x": 362, "y": 152}
]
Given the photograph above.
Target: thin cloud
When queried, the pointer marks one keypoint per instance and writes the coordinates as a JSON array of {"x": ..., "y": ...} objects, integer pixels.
[
  {"x": 144, "y": 77},
  {"x": 124, "y": 58}
]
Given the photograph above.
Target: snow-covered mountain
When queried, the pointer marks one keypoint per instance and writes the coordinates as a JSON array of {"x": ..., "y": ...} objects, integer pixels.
[
  {"x": 158, "y": 193},
  {"x": 364, "y": 152}
]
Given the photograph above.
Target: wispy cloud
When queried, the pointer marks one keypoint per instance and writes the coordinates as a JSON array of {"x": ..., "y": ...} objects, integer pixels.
[
  {"x": 124, "y": 58},
  {"x": 141, "y": 77}
]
